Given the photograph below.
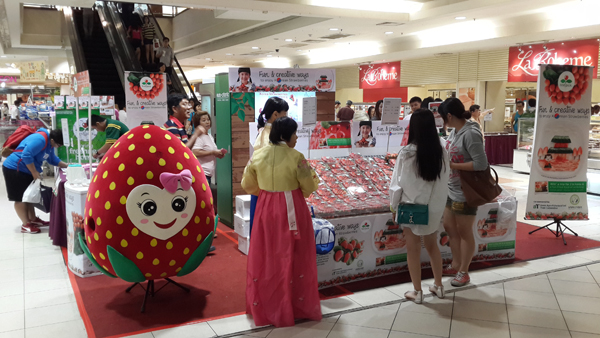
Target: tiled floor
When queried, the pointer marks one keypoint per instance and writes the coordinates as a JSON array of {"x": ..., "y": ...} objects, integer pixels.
[{"x": 551, "y": 297}]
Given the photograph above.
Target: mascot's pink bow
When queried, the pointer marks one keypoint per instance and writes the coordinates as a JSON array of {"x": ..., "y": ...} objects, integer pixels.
[{"x": 169, "y": 181}]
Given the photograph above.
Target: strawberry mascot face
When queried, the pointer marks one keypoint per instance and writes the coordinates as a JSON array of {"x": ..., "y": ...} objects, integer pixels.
[{"x": 149, "y": 210}]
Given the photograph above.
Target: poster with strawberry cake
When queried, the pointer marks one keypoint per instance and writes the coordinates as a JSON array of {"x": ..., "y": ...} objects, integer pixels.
[
  {"x": 246, "y": 79},
  {"x": 558, "y": 183},
  {"x": 146, "y": 97}
]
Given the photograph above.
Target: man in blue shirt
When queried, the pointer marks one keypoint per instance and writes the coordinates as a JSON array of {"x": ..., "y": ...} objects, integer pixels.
[{"x": 24, "y": 166}]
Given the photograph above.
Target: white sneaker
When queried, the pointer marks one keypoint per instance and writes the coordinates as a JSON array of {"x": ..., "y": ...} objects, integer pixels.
[
  {"x": 415, "y": 296},
  {"x": 438, "y": 291}
]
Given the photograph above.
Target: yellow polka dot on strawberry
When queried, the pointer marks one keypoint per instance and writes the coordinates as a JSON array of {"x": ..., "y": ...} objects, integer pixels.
[
  {"x": 199, "y": 237},
  {"x": 187, "y": 157},
  {"x": 89, "y": 240},
  {"x": 193, "y": 179},
  {"x": 162, "y": 162},
  {"x": 139, "y": 255},
  {"x": 134, "y": 232},
  {"x": 112, "y": 186},
  {"x": 203, "y": 186},
  {"x": 121, "y": 167},
  {"x": 97, "y": 194},
  {"x": 89, "y": 196},
  {"x": 178, "y": 269},
  {"x": 90, "y": 212},
  {"x": 107, "y": 205},
  {"x": 148, "y": 275},
  {"x": 185, "y": 232},
  {"x": 186, "y": 251},
  {"x": 149, "y": 175},
  {"x": 211, "y": 201},
  {"x": 123, "y": 200},
  {"x": 202, "y": 205},
  {"x": 146, "y": 127},
  {"x": 117, "y": 154},
  {"x": 171, "y": 150},
  {"x": 130, "y": 181},
  {"x": 167, "y": 136},
  {"x": 105, "y": 159},
  {"x": 153, "y": 242},
  {"x": 119, "y": 220},
  {"x": 169, "y": 245},
  {"x": 155, "y": 261},
  {"x": 179, "y": 166},
  {"x": 117, "y": 144},
  {"x": 96, "y": 236},
  {"x": 198, "y": 168},
  {"x": 108, "y": 234},
  {"x": 197, "y": 219},
  {"x": 147, "y": 136},
  {"x": 102, "y": 256},
  {"x": 131, "y": 147},
  {"x": 152, "y": 149},
  {"x": 139, "y": 161},
  {"x": 95, "y": 178},
  {"x": 105, "y": 268},
  {"x": 105, "y": 174},
  {"x": 164, "y": 274},
  {"x": 130, "y": 137},
  {"x": 207, "y": 220},
  {"x": 124, "y": 243},
  {"x": 94, "y": 257},
  {"x": 172, "y": 262}
]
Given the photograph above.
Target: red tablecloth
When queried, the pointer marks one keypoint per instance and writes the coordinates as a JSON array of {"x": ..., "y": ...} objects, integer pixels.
[{"x": 499, "y": 148}]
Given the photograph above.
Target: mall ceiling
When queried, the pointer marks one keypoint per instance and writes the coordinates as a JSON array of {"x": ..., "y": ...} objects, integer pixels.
[{"x": 331, "y": 33}]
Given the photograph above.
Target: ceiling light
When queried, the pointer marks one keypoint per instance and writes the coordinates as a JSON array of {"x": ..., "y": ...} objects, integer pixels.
[
  {"x": 391, "y": 6},
  {"x": 3, "y": 56},
  {"x": 388, "y": 33},
  {"x": 228, "y": 54},
  {"x": 333, "y": 29},
  {"x": 574, "y": 51},
  {"x": 104, "y": 23},
  {"x": 255, "y": 48},
  {"x": 460, "y": 17},
  {"x": 208, "y": 59},
  {"x": 289, "y": 40},
  {"x": 269, "y": 56},
  {"x": 3, "y": 84}
]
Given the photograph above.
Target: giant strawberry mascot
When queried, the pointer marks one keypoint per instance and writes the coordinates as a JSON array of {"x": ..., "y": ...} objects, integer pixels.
[{"x": 149, "y": 212}]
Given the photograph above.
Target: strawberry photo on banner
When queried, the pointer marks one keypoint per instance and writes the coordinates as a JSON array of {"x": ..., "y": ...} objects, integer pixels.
[
  {"x": 331, "y": 135},
  {"x": 558, "y": 184},
  {"x": 146, "y": 97}
]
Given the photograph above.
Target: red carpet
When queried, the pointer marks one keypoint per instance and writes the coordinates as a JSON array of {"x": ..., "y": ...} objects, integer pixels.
[{"x": 218, "y": 287}]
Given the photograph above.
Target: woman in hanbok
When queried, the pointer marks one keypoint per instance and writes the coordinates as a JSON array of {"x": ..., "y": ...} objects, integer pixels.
[{"x": 281, "y": 282}]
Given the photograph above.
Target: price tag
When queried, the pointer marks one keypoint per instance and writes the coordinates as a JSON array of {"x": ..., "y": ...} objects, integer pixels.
[
  {"x": 391, "y": 110},
  {"x": 65, "y": 130},
  {"x": 309, "y": 111}
]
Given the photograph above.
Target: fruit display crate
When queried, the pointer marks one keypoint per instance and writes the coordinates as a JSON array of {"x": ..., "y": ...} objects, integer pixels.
[{"x": 353, "y": 185}]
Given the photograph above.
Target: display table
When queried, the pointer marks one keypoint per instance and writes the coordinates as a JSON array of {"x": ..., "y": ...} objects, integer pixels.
[
  {"x": 499, "y": 148},
  {"x": 377, "y": 247},
  {"x": 58, "y": 226}
]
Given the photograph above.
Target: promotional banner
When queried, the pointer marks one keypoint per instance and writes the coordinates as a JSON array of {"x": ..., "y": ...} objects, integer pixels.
[
  {"x": 80, "y": 84},
  {"x": 558, "y": 183},
  {"x": 294, "y": 101},
  {"x": 381, "y": 75},
  {"x": 524, "y": 61},
  {"x": 75, "y": 132},
  {"x": 331, "y": 135},
  {"x": 246, "y": 79},
  {"x": 34, "y": 71},
  {"x": 372, "y": 245},
  {"x": 146, "y": 98},
  {"x": 369, "y": 134}
]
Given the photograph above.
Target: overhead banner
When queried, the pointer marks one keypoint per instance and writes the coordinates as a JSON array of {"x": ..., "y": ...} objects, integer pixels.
[
  {"x": 524, "y": 61},
  {"x": 146, "y": 97},
  {"x": 558, "y": 183},
  {"x": 80, "y": 84},
  {"x": 246, "y": 79},
  {"x": 381, "y": 75},
  {"x": 34, "y": 71}
]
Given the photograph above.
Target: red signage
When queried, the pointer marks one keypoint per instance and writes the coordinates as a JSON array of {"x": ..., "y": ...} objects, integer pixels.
[
  {"x": 523, "y": 64},
  {"x": 382, "y": 75}
]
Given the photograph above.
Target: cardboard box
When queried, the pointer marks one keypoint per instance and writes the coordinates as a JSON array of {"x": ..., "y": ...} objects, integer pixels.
[
  {"x": 241, "y": 225},
  {"x": 244, "y": 244},
  {"x": 242, "y": 206}
]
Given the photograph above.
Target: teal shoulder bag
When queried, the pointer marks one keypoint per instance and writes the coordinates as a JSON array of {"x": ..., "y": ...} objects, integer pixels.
[{"x": 417, "y": 214}]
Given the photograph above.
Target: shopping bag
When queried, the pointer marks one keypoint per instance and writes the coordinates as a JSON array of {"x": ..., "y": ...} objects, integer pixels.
[
  {"x": 33, "y": 194},
  {"x": 156, "y": 44},
  {"x": 324, "y": 235},
  {"x": 45, "y": 200}
]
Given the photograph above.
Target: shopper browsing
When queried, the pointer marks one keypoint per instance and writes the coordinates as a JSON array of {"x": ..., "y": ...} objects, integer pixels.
[
  {"x": 514, "y": 121},
  {"x": 179, "y": 111},
  {"x": 421, "y": 177},
  {"x": 466, "y": 151},
  {"x": 24, "y": 166},
  {"x": 205, "y": 148},
  {"x": 378, "y": 111},
  {"x": 113, "y": 129},
  {"x": 134, "y": 33},
  {"x": 275, "y": 108},
  {"x": 477, "y": 115},
  {"x": 346, "y": 113},
  {"x": 281, "y": 281},
  {"x": 415, "y": 104}
]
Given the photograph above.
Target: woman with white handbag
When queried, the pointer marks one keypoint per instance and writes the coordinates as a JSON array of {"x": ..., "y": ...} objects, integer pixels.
[{"x": 418, "y": 193}]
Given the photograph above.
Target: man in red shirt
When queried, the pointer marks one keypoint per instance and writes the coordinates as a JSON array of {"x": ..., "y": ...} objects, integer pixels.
[{"x": 346, "y": 113}]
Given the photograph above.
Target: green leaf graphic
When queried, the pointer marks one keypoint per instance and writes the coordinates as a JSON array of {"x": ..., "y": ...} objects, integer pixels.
[
  {"x": 562, "y": 81},
  {"x": 569, "y": 81}
]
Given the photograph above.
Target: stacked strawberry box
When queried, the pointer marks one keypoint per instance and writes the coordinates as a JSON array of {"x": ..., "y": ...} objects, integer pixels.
[
  {"x": 241, "y": 222},
  {"x": 351, "y": 186}
]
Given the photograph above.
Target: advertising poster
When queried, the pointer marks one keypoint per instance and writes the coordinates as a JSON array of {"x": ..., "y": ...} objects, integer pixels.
[
  {"x": 33, "y": 71},
  {"x": 434, "y": 107},
  {"x": 523, "y": 62},
  {"x": 331, "y": 135},
  {"x": 467, "y": 97},
  {"x": 398, "y": 134},
  {"x": 246, "y": 79},
  {"x": 107, "y": 105},
  {"x": 294, "y": 101},
  {"x": 371, "y": 245},
  {"x": 558, "y": 183},
  {"x": 370, "y": 137},
  {"x": 146, "y": 97},
  {"x": 80, "y": 84},
  {"x": 77, "y": 135},
  {"x": 59, "y": 102}
]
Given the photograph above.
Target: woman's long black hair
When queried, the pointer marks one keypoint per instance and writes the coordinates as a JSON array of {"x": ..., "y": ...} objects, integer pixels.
[
  {"x": 455, "y": 107},
  {"x": 423, "y": 134},
  {"x": 273, "y": 104},
  {"x": 283, "y": 130}
]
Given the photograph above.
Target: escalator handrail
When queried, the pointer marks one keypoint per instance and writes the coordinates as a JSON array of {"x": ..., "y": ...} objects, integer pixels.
[{"x": 173, "y": 76}]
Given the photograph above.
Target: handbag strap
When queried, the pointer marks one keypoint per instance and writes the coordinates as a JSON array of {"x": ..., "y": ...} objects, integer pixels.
[{"x": 495, "y": 173}]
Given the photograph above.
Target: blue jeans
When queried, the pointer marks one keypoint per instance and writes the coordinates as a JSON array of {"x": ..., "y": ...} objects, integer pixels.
[{"x": 208, "y": 179}]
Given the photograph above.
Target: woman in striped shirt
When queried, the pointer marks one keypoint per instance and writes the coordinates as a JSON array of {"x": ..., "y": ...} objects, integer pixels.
[{"x": 148, "y": 32}]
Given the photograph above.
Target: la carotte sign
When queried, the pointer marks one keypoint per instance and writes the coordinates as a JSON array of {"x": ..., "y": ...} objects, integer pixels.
[
  {"x": 381, "y": 75},
  {"x": 523, "y": 64}
]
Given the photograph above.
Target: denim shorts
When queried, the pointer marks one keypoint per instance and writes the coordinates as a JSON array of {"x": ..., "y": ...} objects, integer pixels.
[{"x": 460, "y": 208}]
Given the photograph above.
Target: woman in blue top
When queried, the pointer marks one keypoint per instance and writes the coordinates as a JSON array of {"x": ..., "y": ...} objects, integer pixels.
[{"x": 25, "y": 165}]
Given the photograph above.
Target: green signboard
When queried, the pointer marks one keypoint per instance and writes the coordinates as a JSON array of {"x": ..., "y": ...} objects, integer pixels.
[
  {"x": 224, "y": 175},
  {"x": 77, "y": 134}
]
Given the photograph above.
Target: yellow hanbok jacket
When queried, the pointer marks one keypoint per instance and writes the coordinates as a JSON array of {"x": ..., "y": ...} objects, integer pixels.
[
  {"x": 278, "y": 168},
  {"x": 263, "y": 137}
]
